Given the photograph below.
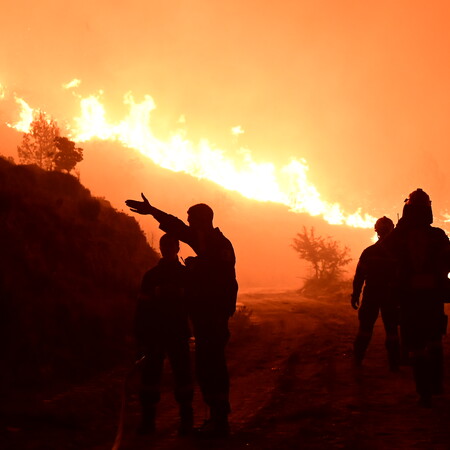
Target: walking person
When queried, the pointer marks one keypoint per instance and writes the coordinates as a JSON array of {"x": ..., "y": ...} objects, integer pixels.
[
  {"x": 375, "y": 271},
  {"x": 423, "y": 255}
]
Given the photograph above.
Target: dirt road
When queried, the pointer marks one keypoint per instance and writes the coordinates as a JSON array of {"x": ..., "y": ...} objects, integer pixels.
[{"x": 293, "y": 387}]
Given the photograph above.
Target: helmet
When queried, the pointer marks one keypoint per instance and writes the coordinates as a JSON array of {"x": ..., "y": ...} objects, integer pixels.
[
  {"x": 384, "y": 225},
  {"x": 417, "y": 210},
  {"x": 418, "y": 197}
]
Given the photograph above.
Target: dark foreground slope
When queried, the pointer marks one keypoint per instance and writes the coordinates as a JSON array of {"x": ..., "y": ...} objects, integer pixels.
[
  {"x": 293, "y": 386},
  {"x": 70, "y": 266}
]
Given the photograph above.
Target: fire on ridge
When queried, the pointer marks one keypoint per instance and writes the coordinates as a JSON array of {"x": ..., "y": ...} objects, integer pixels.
[{"x": 262, "y": 181}]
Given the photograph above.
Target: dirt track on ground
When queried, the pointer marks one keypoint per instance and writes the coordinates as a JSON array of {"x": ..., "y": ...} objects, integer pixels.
[{"x": 293, "y": 387}]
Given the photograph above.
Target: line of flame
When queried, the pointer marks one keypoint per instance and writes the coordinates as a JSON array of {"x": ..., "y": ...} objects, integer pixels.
[{"x": 287, "y": 185}]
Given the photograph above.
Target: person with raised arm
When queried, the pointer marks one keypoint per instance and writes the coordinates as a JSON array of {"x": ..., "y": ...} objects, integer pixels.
[{"x": 212, "y": 291}]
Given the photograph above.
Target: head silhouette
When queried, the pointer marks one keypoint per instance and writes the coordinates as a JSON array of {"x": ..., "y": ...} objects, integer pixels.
[
  {"x": 417, "y": 209},
  {"x": 200, "y": 217},
  {"x": 383, "y": 226},
  {"x": 169, "y": 246}
]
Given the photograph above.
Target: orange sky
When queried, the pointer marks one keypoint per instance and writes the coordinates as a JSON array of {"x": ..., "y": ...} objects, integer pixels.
[{"x": 359, "y": 89}]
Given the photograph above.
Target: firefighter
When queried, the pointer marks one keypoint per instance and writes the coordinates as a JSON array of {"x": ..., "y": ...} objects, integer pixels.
[
  {"x": 212, "y": 291},
  {"x": 375, "y": 270},
  {"x": 162, "y": 329},
  {"x": 423, "y": 254}
]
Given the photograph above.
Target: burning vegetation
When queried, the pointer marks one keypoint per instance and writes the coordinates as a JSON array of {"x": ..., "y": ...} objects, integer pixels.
[
  {"x": 263, "y": 181},
  {"x": 42, "y": 145}
]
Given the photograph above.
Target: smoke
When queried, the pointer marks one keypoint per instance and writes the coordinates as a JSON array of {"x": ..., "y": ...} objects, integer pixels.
[
  {"x": 262, "y": 233},
  {"x": 359, "y": 90}
]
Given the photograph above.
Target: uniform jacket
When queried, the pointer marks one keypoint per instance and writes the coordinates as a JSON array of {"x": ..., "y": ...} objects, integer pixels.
[
  {"x": 162, "y": 310},
  {"x": 376, "y": 270},
  {"x": 212, "y": 276}
]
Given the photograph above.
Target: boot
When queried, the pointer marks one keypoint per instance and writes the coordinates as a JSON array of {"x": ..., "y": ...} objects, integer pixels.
[
  {"x": 147, "y": 425},
  {"x": 217, "y": 425},
  {"x": 422, "y": 379},
  {"x": 186, "y": 420},
  {"x": 148, "y": 420},
  {"x": 436, "y": 363}
]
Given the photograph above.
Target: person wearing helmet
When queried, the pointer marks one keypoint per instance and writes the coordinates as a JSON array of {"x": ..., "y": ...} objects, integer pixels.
[
  {"x": 212, "y": 292},
  {"x": 375, "y": 271},
  {"x": 423, "y": 255}
]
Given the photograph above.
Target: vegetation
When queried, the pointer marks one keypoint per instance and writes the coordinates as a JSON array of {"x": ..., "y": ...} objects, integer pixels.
[
  {"x": 70, "y": 268},
  {"x": 241, "y": 323},
  {"x": 67, "y": 156},
  {"x": 44, "y": 146},
  {"x": 326, "y": 257}
]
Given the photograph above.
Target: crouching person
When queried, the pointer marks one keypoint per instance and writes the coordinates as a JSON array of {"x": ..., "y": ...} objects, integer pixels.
[{"x": 162, "y": 329}]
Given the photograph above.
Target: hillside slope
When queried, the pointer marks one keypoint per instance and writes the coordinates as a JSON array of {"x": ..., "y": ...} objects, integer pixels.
[{"x": 70, "y": 267}]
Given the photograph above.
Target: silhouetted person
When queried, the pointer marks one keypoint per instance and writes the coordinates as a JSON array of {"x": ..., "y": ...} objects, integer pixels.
[
  {"x": 162, "y": 329},
  {"x": 423, "y": 254},
  {"x": 376, "y": 270},
  {"x": 212, "y": 293}
]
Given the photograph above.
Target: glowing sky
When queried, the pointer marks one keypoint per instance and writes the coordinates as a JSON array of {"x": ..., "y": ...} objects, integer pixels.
[{"x": 358, "y": 89}]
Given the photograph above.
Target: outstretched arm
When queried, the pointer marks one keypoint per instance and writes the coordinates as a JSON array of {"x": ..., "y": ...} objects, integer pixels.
[
  {"x": 144, "y": 207},
  {"x": 167, "y": 222}
]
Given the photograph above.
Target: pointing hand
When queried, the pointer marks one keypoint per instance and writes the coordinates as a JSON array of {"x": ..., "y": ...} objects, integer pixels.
[{"x": 136, "y": 206}]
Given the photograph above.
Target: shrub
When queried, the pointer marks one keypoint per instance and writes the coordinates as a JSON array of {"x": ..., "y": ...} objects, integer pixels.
[{"x": 326, "y": 257}]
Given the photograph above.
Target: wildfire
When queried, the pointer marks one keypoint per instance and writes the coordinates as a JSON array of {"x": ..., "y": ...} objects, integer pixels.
[
  {"x": 72, "y": 84},
  {"x": 263, "y": 181},
  {"x": 26, "y": 116}
]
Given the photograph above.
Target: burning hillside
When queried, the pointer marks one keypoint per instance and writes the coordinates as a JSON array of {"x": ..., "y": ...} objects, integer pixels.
[{"x": 263, "y": 181}]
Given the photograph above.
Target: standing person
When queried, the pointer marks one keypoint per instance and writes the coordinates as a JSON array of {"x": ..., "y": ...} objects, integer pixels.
[
  {"x": 162, "y": 328},
  {"x": 423, "y": 254},
  {"x": 212, "y": 293},
  {"x": 375, "y": 270}
]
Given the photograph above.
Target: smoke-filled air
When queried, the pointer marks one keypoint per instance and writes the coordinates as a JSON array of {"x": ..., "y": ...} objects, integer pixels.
[
  {"x": 337, "y": 112},
  {"x": 255, "y": 191}
]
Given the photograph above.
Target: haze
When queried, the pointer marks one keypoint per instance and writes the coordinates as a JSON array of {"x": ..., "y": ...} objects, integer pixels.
[{"x": 358, "y": 89}]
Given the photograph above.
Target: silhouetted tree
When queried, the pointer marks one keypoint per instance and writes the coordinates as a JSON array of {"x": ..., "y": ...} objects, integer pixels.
[
  {"x": 67, "y": 155},
  {"x": 38, "y": 145},
  {"x": 44, "y": 146},
  {"x": 324, "y": 254}
]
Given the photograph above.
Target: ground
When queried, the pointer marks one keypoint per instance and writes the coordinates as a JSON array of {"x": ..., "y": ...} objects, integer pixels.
[{"x": 294, "y": 386}]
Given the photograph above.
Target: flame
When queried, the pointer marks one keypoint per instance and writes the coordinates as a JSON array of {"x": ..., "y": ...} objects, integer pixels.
[
  {"x": 72, "y": 84},
  {"x": 262, "y": 181},
  {"x": 237, "y": 130},
  {"x": 26, "y": 116}
]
